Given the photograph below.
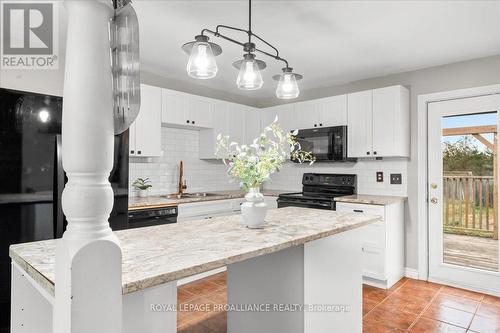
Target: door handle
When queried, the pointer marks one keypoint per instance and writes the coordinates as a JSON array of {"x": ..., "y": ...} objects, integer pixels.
[
  {"x": 434, "y": 200},
  {"x": 434, "y": 186}
]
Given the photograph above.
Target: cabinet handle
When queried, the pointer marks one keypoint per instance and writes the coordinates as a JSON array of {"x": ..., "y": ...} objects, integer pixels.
[
  {"x": 139, "y": 152},
  {"x": 187, "y": 121},
  {"x": 357, "y": 210},
  {"x": 192, "y": 122},
  {"x": 320, "y": 124},
  {"x": 315, "y": 125},
  {"x": 367, "y": 153},
  {"x": 374, "y": 153},
  {"x": 131, "y": 151}
]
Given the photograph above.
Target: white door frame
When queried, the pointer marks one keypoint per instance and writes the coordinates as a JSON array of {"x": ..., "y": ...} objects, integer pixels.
[{"x": 422, "y": 164}]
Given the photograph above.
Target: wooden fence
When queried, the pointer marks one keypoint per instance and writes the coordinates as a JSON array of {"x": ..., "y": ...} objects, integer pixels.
[{"x": 468, "y": 206}]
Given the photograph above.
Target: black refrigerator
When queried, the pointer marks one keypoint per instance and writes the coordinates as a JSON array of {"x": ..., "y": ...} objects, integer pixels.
[{"x": 32, "y": 178}]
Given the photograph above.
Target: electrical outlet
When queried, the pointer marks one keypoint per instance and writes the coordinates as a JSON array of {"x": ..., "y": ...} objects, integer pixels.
[
  {"x": 396, "y": 178},
  {"x": 380, "y": 177}
]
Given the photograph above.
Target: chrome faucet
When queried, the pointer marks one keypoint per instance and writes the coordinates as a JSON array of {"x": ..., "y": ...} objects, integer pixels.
[{"x": 182, "y": 183}]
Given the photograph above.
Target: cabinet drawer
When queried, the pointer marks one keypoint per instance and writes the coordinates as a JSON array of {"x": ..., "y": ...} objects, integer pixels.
[
  {"x": 373, "y": 262},
  {"x": 374, "y": 210},
  {"x": 205, "y": 208}
]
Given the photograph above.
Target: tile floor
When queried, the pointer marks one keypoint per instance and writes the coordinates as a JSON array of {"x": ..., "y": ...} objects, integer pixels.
[{"x": 409, "y": 306}]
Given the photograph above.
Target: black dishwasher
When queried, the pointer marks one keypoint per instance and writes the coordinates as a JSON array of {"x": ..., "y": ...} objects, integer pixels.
[{"x": 151, "y": 217}]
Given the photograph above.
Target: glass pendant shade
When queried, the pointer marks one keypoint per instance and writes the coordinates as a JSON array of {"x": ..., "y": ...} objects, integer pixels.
[
  {"x": 287, "y": 86},
  {"x": 249, "y": 77},
  {"x": 201, "y": 64}
]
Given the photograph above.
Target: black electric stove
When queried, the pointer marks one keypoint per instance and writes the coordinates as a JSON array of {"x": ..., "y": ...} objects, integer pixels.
[{"x": 319, "y": 191}]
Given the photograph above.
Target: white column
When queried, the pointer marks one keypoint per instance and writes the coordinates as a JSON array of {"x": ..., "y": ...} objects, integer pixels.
[{"x": 88, "y": 259}]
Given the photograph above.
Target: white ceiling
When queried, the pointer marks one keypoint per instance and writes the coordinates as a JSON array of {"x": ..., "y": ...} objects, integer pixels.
[{"x": 329, "y": 42}]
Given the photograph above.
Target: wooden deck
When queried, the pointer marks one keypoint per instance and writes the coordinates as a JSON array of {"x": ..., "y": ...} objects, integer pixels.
[{"x": 470, "y": 251}]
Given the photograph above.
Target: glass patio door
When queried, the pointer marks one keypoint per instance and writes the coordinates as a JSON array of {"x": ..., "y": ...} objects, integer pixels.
[{"x": 463, "y": 193}]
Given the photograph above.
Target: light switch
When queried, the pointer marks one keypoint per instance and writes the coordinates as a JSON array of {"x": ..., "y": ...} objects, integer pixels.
[{"x": 380, "y": 177}]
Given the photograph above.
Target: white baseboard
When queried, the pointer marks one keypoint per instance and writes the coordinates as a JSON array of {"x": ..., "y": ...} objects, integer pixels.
[
  {"x": 411, "y": 273},
  {"x": 200, "y": 276}
]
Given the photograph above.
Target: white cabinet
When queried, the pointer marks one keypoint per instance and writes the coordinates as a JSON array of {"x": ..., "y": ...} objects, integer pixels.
[
  {"x": 379, "y": 123},
  {"x": 228, "y": 119},
  {"x": 252, "y": 124},
  {"x": 235, "y": 115},
  {"x": 285, "y": 116},
  {"x": 324, "y": 112},
  {"x": 145, "y": 131},
  {"x": 391, "y": 121},
  {"x": 185, "y": 110},
  {"x": 382, "y": 242},
  {"x": 359, "y": 124},
  {"x": 333, "y": 111}
]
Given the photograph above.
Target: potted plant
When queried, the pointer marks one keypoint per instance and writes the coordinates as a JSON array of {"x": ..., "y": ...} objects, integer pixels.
[
  {"x": 253, "y": 164},
  {"x": 142, "y": 185}
]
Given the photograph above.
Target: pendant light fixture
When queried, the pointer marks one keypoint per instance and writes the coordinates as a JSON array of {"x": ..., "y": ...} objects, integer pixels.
[
  {"x": 202, "y": 65},
  {"x": 287, "y": 84},
  {"x": 249, "y": 77}
]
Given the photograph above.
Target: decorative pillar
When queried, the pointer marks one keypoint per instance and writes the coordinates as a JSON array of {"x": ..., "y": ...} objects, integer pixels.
[{"x": 88, "y": 294}]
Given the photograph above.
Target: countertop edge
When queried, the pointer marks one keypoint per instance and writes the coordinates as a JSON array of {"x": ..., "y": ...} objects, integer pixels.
[{"x": 378, "y": 200}]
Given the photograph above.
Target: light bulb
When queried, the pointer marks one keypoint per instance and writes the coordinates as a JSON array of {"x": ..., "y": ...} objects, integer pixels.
[
  {"x": 249, "y": 77},
  {"x": 287, "y": 86},
  {"x": 201, "y": 64}
]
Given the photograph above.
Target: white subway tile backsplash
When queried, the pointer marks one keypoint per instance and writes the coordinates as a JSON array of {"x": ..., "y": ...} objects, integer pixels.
[
  {"x": 177, "y": 145},
  {"x": 290, "y": 176},
  {"x": 204, "y": 175}
]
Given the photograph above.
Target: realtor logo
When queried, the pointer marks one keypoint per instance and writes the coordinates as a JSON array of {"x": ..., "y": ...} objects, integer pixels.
[{"x": 29, "y": 35}]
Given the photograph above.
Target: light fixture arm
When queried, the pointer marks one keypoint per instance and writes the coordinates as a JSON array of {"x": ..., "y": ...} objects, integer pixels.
[{"x": 249, "y": 32}]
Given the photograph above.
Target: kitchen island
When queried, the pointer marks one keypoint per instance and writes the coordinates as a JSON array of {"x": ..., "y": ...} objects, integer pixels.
[{"x": 303, "y": 257}]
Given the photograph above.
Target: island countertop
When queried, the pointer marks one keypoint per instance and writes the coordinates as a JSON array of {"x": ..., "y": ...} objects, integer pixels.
[{"x": 160, "y": 254}]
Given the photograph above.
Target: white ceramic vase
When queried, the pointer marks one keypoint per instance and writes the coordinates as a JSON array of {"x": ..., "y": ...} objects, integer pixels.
[
  {"x": 143, "y": 193},
  {"x": 254, "y": 209}
]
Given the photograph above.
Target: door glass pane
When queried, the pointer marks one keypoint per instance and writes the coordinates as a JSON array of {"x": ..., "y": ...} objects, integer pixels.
[{"x": 470, "y": 221}]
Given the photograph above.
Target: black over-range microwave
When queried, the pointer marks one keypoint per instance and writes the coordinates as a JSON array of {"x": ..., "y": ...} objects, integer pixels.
[{"x": 326, "y": 143}]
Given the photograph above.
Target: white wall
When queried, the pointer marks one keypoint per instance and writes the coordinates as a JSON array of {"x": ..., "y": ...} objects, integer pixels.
[
  {"x": 290, "y": 176},
  {"x": 177, "y": 145}
]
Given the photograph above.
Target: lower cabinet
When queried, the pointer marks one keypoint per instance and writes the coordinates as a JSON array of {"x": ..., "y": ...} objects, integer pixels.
[{"x": 382, "y": 242}]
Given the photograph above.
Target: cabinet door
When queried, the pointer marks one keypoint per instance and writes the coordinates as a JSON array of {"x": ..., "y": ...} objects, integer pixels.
[
  {"x": 333, "y": 111},
  {"x": 200, "y": 112},
  {"x": 306, "y": 114},
  {"x": 285, "y": 116},
  {"x": 252, "y": 124},
  {"x": 148, "y": 123},
  {"x": 236, "y": 123},
  {"x": 391, "y": 121},
  {"x": 174, "y": 108},
  {"x": 359, "y": 122},
  {"x": 131, "y": 140}
]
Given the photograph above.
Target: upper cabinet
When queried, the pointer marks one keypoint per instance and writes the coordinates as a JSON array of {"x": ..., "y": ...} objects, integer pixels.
[
  {"x": 185, "y": 110},
  {"x": 145, "y": 131},
  {"x": 285, "y": 114},
  {"x": 379, "y": 123},
  {"x": 241, "y": 123},
  {"x": 324, "y": 112}
]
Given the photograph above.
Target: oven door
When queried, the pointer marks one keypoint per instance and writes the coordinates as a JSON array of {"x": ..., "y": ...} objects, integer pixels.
[{"x": 318, "y": 141}]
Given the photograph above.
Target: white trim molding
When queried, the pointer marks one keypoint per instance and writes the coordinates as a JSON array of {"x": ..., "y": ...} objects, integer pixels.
[
  {"x": 423, "y": 102},
  {"x": 411, "y": 273}
]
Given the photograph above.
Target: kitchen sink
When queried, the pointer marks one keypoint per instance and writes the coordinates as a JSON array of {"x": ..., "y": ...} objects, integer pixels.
[{"x": 192, "y": 195}]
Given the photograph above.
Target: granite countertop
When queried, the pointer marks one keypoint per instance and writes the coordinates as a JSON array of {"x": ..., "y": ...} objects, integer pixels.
[
  {"x": 160, "y": 254},
  {"x": 163, "y": 201},
  {"x": 371, "y": 199}
]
